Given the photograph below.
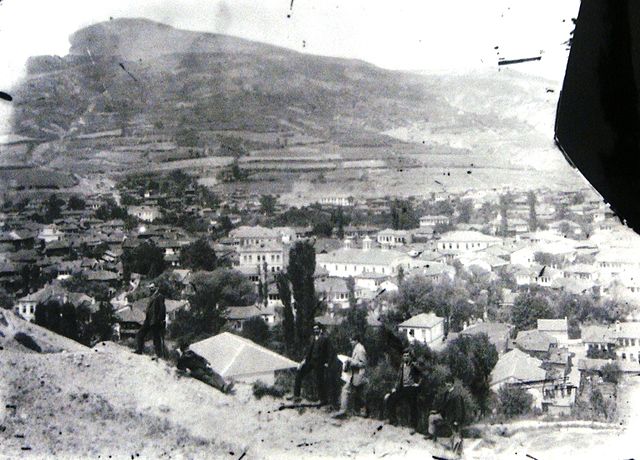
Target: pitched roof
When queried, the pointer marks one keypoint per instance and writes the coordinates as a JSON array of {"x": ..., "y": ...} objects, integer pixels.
[
  {"x": 130, "y": 315},
  {"x": 251, "y": 311},
  {"x": 233, "y": 356},
  {"x": 517, "y": 365},
  {"x": 246, "y": 231},
  {"x": 498, "y": 333},
  {"x": 372, "y": 256},
  {"x": 427, "y": 320},
  {"x": 597, "y": 334},
  {"x": 469, "y": 235},
  {"x": 553, "y": 325},
  {"x": 535, "y": 340}
]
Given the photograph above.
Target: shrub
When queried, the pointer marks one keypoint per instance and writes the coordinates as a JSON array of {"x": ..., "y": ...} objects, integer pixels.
[
  {"x": 261, "y": 389},
  {"x": 514, "y": 401},
  {"x": 611, "y": 373}
]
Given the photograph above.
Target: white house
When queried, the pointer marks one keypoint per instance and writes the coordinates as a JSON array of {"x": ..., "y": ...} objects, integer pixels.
[
  {"x": 269, "y": 253},
  {"x": 346, "y": 262},
  {"x": 425, "y": 328},
  {"x": 145, "y": 213},
  {"x": 461, "y": 241},
  {"x": 256, "y": 235},
  {"x": 432, "y": 221},
  {"x": 390, "y": 238},
  {"x": 627, "y": 336}
]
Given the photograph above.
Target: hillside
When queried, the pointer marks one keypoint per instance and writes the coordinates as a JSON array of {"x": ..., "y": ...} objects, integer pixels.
[
  {"x": 73, "y": 402},
  {"x": 131, "y": 92}
]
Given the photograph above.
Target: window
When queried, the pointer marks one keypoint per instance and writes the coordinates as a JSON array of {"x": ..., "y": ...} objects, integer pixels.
[
  {"x": 633, "y": 342},
  {"x": 624, "y": 356},
  {"x": 412, "y": 333}
]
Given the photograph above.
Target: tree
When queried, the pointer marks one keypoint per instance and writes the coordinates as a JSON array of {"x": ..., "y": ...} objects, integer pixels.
[
  {"x": 146, "y": 259},
  {"x": 256, "y": 330},
  {"x": 288, "y": 326},
  {"x": 302, "y": 265},
  {"x": 6, "y": 300},
  {"x": 403, "y": 216},
  {"x": 268, "y": 204},
  {"x": 323, "y": 228},
  {"x": 527, "y": 309},
  {"x": 212, "y": 292},
  {"x": 102, "y": 322},
  {"x": 465, "y": 209},
  {"x": 110, "y": 210},
  {"x": 198, "y": 255},
  {"x": 53, "y": 208},
  {"x": 76, "y": 203},
  {"x": 505, "y": 202},
  {"x": 514, "y": 400},
  {"x": 611, "y": 373},
  {"x": 471, "y": 358},
  {"x": 533, "y": 216}
]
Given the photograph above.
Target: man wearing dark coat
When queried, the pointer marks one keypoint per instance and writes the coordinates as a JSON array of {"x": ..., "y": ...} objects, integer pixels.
[
  {"x": 317, "y": 361},
  {"x": 199, "y": 368},
  {"x": 154, "y": 323},
  {"x": 407, "y": 387}
]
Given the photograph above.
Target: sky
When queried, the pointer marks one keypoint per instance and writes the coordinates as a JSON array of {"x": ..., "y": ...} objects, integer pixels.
[
  {"x": 425, "y": 35},
  {"x": 415, "y": 35}
]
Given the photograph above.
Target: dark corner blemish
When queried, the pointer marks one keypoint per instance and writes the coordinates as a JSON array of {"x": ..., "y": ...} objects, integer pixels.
[{"x": 5, "y": 96}]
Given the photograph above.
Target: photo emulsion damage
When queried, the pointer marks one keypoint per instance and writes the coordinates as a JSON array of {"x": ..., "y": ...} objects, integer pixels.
[{"x": 290, "y": 229}]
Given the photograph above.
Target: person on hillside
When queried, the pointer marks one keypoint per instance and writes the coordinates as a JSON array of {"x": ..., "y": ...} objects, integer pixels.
[
  {"x": 454, "y": 411},
  {"x": 406, "y": 389},
  {"x": 354, "y": 388},
  {"x": 199, "y": 368},
  {"x": 317, "y": 361},
  {"x": 154, "y": 323}
]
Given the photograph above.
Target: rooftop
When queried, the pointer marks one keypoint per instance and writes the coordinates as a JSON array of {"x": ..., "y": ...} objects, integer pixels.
[
  {"x": 233, "y": 356},
  {"x": 424, "y": 320}
]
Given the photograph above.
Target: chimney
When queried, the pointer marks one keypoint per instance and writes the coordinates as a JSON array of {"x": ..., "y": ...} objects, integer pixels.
[{"x": 366, "y": 243}]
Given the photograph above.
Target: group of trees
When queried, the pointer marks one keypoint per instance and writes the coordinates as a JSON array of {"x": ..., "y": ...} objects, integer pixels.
[
  {"x": 77, "y": 323},
  {"x": 540, "y": 302},
  {"x": 210, "y": 295}
]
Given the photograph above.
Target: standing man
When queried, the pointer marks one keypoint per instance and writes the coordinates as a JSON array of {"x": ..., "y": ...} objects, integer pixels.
[
  {"x": 317, "y": 361},
  {"x": 406, "y": 389},
  {"x": 154, "y": 322},
  {"x": 353, "y": 389}
]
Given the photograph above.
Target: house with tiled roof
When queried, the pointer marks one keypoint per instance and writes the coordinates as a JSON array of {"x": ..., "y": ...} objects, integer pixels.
[
  {"x": 426, "y": 328},
  {"x": 351, "y": 262},
  {"x": 237, "y": 316},
  {"x": 598, "y": 337},
  {"x": 535, "y": 342},
  {"x": 517, "y": 367},
  {"x": 463, "y": 241},
  {"x": 255, "y": 235},
  {"x": 498, "y": 333},
  {"x": 240, "y": 359},
  {"x": 557, "y": 328}
]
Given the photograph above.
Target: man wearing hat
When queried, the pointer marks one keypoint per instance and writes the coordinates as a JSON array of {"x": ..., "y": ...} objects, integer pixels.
[
  {"x": 154, "y": 323},
  {"x": 317, "y": 361}
]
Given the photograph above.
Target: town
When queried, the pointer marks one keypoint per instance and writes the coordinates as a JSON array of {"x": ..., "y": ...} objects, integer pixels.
[{"x": 547, "y": 282}]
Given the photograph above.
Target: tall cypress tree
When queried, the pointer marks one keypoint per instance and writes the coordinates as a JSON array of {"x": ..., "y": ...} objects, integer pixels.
[
  {"x": 288, "y": 325},
  {"x": 302, "y": 265}
]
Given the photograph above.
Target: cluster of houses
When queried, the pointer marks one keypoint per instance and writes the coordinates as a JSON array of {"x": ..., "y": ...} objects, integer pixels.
[{"x": 366, "y": 262}]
